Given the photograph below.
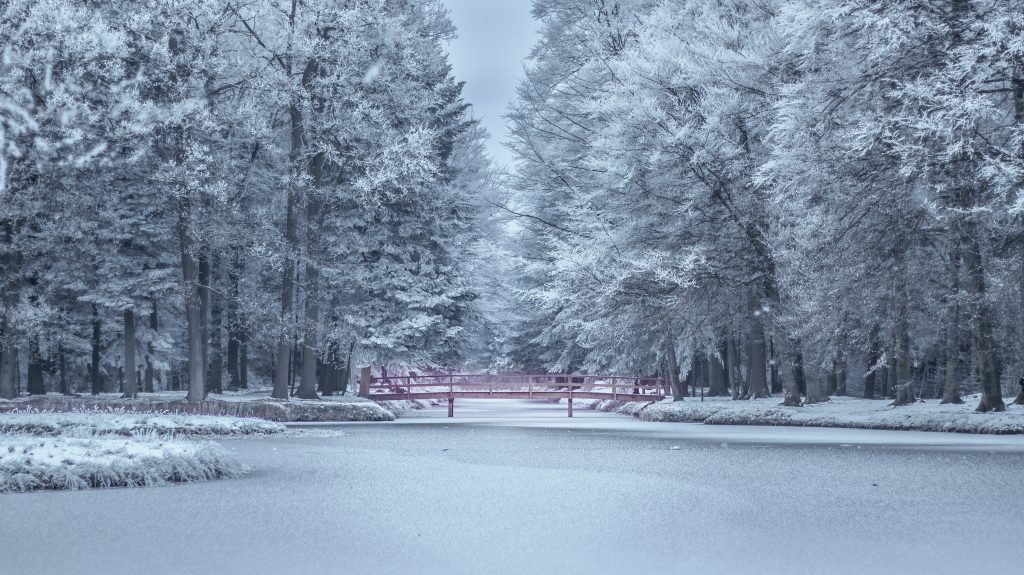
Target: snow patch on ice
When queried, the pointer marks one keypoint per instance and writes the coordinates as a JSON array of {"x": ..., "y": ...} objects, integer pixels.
[{"x": 32, "y": 463}]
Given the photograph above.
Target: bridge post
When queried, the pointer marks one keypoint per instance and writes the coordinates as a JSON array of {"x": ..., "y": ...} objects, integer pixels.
[
  {"x": 364, "y": 382},
  {"x": 451, "y": 395},
  {"x": 570, "y": 396}
]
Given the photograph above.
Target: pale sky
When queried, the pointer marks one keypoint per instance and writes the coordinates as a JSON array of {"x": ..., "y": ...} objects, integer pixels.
[{"x": 494, "y": 37}]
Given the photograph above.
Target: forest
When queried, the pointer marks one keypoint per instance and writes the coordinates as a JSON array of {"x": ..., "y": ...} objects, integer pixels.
[{"x": 792, "y": 198}]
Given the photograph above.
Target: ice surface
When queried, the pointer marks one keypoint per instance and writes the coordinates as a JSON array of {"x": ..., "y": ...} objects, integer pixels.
[{"x": 537, "y": 492}]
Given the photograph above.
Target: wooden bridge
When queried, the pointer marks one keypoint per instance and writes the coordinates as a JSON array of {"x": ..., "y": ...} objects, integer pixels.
[{"x": 511, "y": 386}]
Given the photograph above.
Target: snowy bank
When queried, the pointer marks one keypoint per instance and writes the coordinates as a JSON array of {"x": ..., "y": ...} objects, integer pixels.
[
  {"x": 31, "y": 463},
  {"x": 841, "y": 412},
  {"x": 256, "y": 404},
  {"x": 127, "y": 424},
  {"x": 400, "y": 407}
]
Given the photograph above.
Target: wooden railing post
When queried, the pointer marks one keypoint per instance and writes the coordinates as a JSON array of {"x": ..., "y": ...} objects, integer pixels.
[
  {"x": 364, "y": 382},
  {"x": 570, "y": 396},
  {"x": 451, "y": 395}
]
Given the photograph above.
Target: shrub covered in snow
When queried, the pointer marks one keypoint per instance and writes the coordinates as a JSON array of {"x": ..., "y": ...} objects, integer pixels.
[{"x": 32, "y": 463}]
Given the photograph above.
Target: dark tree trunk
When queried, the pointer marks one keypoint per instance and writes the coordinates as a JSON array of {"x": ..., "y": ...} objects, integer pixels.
[
  {"x": 871, "y": 378},
  {"x": 234, "y": 323},
  {"x": 903, "y": 390},
  {"x": 204, "y": 314},
  {"x": 786, "y": 371},
  {"x": 131, "y": 389},
  {"x": 216, "y": 382},
  {"x": 331, "y": 368},
  {"x": 798, "y": 368},
  {"x": 193, "y": 305},
  {"x": 717, "y": 371},
  {"x": 738, "y": 386},
  {"x": 285, "y": 342},
  {"x": 154, "y": 325},
  {"x": 671, "y": 370},
  {"x": 841, "y": 366},
  {"x": 36, "y": 383},
  {"x": 757, "y": 365},
  {"x": 984, "y": 341},
  {"x": 94, "y": 367},
  {"x": 347, "y": 375},
  {"x": 11, "y": 297},
  {"x": 315, "y": 214},
  {"x": 812, "y": 381},
  {"x": 62, "y": 364},
  {"x": 951, "y": 388},
  {"x": 243, "y": 362}
]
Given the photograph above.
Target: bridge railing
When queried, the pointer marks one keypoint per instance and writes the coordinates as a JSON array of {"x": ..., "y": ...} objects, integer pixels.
[{"x": 515, "y": 386}]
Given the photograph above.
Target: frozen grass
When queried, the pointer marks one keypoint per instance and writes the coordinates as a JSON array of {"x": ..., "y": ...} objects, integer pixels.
[
  {"x": 241, "y": 404},
  {"x": 841, "y": 412},
  {"x": 32, "y": 463},
  {"x": 126, "y": 424}
]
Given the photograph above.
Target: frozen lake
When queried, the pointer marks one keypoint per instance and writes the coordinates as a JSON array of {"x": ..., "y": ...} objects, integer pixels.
[{"x": 518, "y": 488}]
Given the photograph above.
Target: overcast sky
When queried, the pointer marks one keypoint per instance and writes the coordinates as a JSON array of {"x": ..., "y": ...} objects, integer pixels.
[{"x": 494, "y": 37}]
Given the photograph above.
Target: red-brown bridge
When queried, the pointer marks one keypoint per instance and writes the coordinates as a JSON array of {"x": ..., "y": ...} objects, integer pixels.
[{"x": 511, "y": 386}]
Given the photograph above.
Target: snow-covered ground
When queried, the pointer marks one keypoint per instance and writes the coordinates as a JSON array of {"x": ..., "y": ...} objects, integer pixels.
[
  {"x": 845, "y": 412},
  {"x": 89, "y": 423},
  {"x": 537, "y": 492}
]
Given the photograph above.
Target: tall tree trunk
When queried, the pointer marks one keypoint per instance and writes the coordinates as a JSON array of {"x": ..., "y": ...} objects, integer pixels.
[
  {"x": 36, "y": 383},
  {"x": 951, "y": 388},
  {"x": 131, "y": 389},
  {"x": 94, "y": 367},
  {"x": 347, "y": 375},
  {"x": 798, "y": 367},
  {"x": 285, "y": 343},
  {"x": 315, "y": 214},
  {"x": 757, "y": 375},
  {"x": 984, "y": 341},
  {"x": 11, "y": 297},
  {"x": 204, "y": 313},
  {"x": 871, "y": 377},
  {"x": 216, "y": 383},
  {"x": 234, "y": 322},
  {"x": 1018, "y": 115},
  {"x": 841, "y": 365},
  {"x": 786, "y": 369},
  {"x": 671, "y": 369},
  {"x": 243, "y": 362},
  {"x": 717, "y": 370},
  {"x": 783, "y": 347},
  {"x": 904, "y": 386},
  {"x": 193, "y": 305},
  {"x": 62, "y": 365},
  {"x": 732, "y": 367},
  {"x": 832, "y": 380},
  {"x": 812, "y": 382},
  {"x": 331, "y": 367},
  {"x": 154, "y": 325}
]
